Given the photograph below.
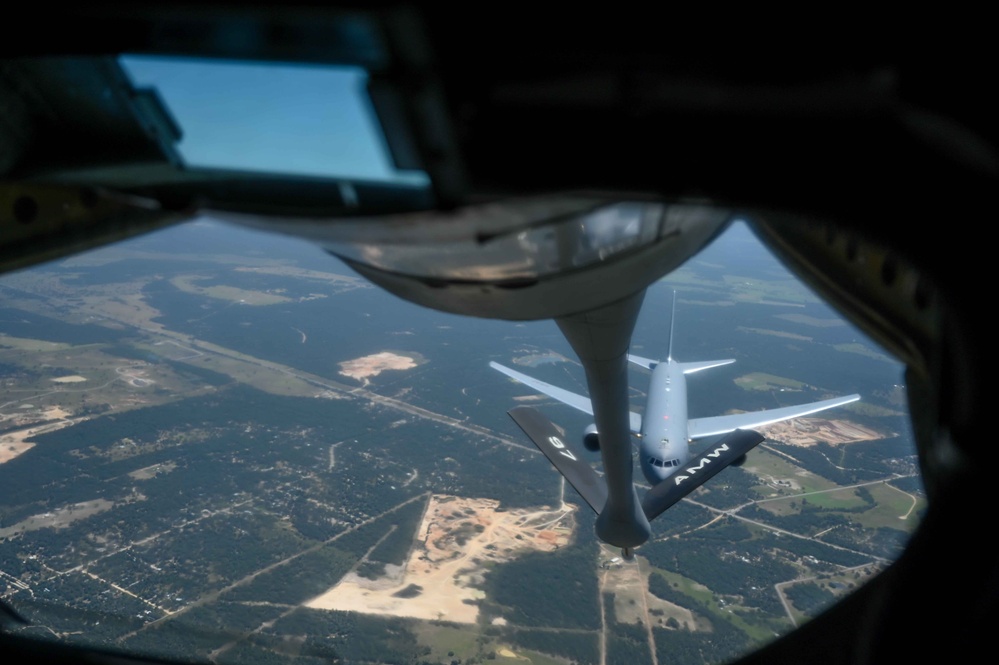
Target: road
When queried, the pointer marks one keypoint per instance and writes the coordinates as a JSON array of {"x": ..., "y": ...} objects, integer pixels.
[{"x": 214, "y": 595}]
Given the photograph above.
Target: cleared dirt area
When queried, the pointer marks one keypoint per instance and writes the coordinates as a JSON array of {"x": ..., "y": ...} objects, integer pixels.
[
  {"x": 373, "y": 365},
  {"x": 59, "y": 518},
  {"x": 76, "y": 378},
  {"x": 809, "y": 431},
  {"x": 152, "y": 471},
  {"x": 9, "y": 448},
  {"x": 15, "y": 443},
  {"x": 456, "y": 540}
]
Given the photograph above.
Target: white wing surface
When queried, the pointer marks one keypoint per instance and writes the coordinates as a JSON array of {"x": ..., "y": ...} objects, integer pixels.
[
  {"x": 647, "y": 363},
  {"x": 701, "y": 427},
  {"x": 690, "y": 368},
  {"x": 566, "y": 397}
]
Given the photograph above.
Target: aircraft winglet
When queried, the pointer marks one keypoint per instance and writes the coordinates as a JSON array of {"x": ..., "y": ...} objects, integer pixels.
[
  {"x": 573, "y": 467},
  {"x": 700, "y": 468}
]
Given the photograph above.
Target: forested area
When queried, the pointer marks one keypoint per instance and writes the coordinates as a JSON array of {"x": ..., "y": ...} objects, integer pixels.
[
  {"x": 884, "y": 456},
  {"x": 660, "y": 588},
  {"x": 723, "y": 568},
  {"x": 306, "y": 577},
  {"x": 568, "y": 575},
  {"x": 627, "y": 643},
  {"x": 349, "y": 637},
  {"x": 809, "y": 598},
  {"x": 824, "y": 460},
  {"x": 67, "y": 602},
  {"x": 680, "y": 518},
  {"x": 730, "y": 488},
  {"x": 248, "y": 472},
  {"x": 22, "y": 323},
  {"x": 201, "y": 559},
  {"x": 882, "y": 542},
  {"x": 910, "y": 484},
  {"x": 234, "y": 507},
  {"x": 395, "y": 547},
  {"x": 581, "y": 648},
  {"x": 92, "y": 458},
  {"x": 836, "y": 529},
  {"x": 723, "y": 644}
]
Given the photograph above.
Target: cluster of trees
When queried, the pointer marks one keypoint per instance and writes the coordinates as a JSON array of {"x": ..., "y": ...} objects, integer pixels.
[
  {"x": 883, "y": 455},
  {"x": 349, "y": 637},
  {"x": 551, "y": 589},
  {"x": 395, "y": 548},
  {"x": 883, "y": 541},
  {"x": 682, "y": 517},
  {"x": 187, "y": 638},
  {"x": 82, "y": 607},
  {"x": 301, "y": 579},
  {"x": 824, "y": 460},
  {"x": 628, "y": 644},
  {"x": 723, "y": 643},
  {"x": 660, "y": 588},
  {"x": 809, "y": 598},
  {"x": 722, "y": 567},
  {"x": 730, "y": 488},
  {"x": 199, "y": 559}
]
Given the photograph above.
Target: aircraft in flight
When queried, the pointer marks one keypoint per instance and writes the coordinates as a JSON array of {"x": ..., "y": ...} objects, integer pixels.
[{"x": 664, "y": 433}]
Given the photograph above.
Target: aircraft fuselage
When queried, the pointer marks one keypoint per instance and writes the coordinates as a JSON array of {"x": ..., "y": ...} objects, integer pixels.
[{"x": 664, "y": 443}]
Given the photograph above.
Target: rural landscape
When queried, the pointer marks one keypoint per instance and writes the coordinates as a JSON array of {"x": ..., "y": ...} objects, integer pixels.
[{"x": 220, "y": 446}]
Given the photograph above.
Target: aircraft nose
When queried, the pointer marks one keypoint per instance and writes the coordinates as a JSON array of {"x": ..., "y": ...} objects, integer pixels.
[{"x": 655, "y": 474}]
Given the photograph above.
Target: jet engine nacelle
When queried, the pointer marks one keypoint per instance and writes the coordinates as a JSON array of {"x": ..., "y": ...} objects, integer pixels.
[
  {"x": 591, "y": 440},
  {"x": 738, "y": 461}
]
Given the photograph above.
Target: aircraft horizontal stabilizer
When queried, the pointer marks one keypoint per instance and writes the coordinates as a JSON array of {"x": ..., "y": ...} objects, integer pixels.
[
  {"x": 647, "y": 363},
  {"x": 690, "y": 368},
  {"x": 573, "y": 467},
  {"x": 699, "y": 469}
]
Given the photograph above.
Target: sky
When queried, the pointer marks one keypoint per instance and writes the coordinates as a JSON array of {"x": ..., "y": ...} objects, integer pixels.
[{"x": 275, "y": 117}]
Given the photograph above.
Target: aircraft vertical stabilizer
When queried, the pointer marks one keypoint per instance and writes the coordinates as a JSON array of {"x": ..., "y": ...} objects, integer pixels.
[{"x": 672, "y": 318}]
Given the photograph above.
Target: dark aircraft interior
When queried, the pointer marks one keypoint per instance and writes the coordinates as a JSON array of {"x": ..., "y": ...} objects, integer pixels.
[{"x": 869, "y": 167}]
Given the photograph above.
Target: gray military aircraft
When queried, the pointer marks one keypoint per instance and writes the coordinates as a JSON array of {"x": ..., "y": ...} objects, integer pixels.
[{"x": 664, "y": 433}]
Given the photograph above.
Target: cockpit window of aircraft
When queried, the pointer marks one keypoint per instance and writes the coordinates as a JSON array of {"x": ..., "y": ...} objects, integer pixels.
[
  {"x": 223, "y": 445},
  {"x": 282, "y": 118}
]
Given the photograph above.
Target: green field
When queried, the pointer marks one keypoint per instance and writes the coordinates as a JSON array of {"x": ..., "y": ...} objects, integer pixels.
[
  {"x": 444, "y": 639},
  {"x": 763, "y": 381},
  {"x": 840, "y": 499},
  {"x": 720, "y": 609},
  {"x": 771, "y": 465},
  {"x": 892, "y": 506},
  {"x": 23, "y": 345},
  {"x": 233, "y": 294},
  {"x": 862, "y": 350}
]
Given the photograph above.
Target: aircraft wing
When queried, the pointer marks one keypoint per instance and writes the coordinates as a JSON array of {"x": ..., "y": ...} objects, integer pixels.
[
  {"x": 698, "y": 470},
  {"x": 698, "y": 428},
  {"x": 548, "y": 439},
  {"x": 566, "y": 397}
]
